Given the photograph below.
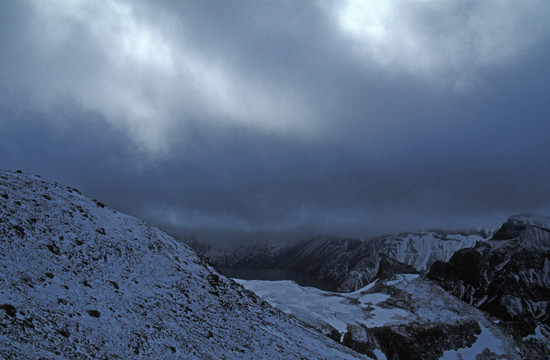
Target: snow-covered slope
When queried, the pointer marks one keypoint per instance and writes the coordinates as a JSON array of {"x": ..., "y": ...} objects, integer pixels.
[
  {"x": 82, "y": 281},
  {"x": 350, "y": 263},
  {"x": 402, "y": 317}
]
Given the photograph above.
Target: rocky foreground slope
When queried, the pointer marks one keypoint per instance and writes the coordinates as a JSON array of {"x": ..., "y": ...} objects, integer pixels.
[{"x": 82, "y": 281}]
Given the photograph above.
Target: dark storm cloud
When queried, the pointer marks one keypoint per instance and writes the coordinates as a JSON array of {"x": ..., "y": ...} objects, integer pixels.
[{"x": 228, "y": 119}]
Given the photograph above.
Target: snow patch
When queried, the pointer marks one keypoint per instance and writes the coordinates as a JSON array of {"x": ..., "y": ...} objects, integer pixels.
[{"x": 485, "y": 340}]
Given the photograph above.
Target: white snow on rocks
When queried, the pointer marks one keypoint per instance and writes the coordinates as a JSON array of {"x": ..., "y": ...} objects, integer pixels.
[
  {"x": 405, "y": 301},
  {"x": 486, "y": 342},
  {"x": 82, "y": 281}
]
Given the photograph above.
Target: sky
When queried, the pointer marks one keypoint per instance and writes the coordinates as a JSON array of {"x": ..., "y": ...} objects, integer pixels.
[{"x": 253, "y": 120}]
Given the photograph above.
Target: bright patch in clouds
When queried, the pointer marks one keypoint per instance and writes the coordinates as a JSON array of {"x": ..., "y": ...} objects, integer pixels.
[
  {"x": 147, "y": 78},
  {"x": 449, "y": 40},
  {"x": 125, "y": 36}
]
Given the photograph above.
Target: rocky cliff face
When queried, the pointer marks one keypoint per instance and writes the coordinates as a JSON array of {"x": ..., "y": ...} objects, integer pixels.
[
  {"x": 351, "y": 263},
  {"x": 507, "y": 276},
  {"x": 82, "y": 281}
]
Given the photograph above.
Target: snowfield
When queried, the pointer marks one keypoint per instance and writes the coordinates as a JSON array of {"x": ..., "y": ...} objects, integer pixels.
[
  {"x": 407, "y": 306},
  {"x": 82, "y": 281}
]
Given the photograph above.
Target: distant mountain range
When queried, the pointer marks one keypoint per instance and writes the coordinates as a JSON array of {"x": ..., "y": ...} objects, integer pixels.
[
  {"x": 348, "y": 263},
  {"x": 506, "y": 275}
]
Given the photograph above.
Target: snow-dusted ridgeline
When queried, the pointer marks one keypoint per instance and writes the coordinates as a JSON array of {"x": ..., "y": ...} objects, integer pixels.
[{"x": 82, "y": 281}]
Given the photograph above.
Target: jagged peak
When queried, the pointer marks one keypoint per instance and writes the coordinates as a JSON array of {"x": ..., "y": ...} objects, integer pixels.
[{"x": 518, "y": 223}]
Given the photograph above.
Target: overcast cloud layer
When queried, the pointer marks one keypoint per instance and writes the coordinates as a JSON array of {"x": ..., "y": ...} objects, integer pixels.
[{"x": 249, "y": 119}]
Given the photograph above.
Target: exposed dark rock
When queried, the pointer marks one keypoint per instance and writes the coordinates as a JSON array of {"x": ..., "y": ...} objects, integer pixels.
[
  {"x": 94, "y": 313},
  {"x": 502, "y": 280},
  {"x": 467, "y": 265},
  {"x": 28, "y": 323},
  {"x": 53, "y": 248},
  {"x": 213, "y": 280},
  {"x": 506, "y": 277},
  {"x": 442, "y": 271},
  {"x": 20, "y": 231},
  {"x": 509, "y": 230},
  {"x": 389, "y": 267},
  {"x": 425, "y": 344},
  {"x": 9, "y": 309}
]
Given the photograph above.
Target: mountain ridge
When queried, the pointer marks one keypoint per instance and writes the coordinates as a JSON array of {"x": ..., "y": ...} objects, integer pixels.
[
  {"x": 347, "y": 262},
  {"x": 83, "y": 281}
]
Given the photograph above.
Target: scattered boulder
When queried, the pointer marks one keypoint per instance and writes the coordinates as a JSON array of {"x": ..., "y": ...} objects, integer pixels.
[
  {"x": 94, "y": 313},
  {"x": 9, "y": 309}
]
